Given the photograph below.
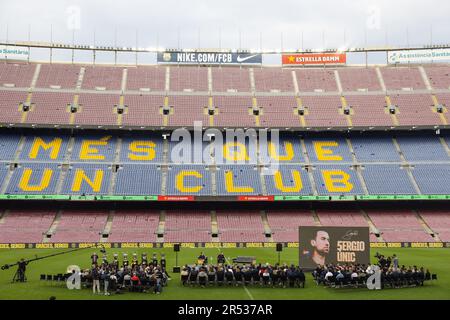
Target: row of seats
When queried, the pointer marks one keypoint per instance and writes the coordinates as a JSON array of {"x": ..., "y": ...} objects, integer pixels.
[
  {"x": 108, "y": 109},
  {"x": 196, "y": 225},
  {"x": 148, "y": 179},
  {"x": 232, "y": 79},
  {"x": 149, "y": 148}
]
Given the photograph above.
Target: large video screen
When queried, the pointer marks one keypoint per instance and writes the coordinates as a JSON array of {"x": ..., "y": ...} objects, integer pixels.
[{"x": 335, "y": 245}]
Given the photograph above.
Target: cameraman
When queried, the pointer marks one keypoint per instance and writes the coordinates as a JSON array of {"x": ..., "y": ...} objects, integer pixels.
[{"x": 22, "y": 267}]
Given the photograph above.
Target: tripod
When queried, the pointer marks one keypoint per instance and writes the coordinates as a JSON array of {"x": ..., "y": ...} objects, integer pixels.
[{"x": 19, "y": 276}]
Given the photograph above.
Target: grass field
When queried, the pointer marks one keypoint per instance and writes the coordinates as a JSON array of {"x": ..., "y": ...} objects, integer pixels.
[{"x": 437, "y": 260}]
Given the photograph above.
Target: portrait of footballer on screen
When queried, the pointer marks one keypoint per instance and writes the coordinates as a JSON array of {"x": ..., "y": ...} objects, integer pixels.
[
  {"x": 316, "y": 249},
  {"x": 325, "y": 245}
]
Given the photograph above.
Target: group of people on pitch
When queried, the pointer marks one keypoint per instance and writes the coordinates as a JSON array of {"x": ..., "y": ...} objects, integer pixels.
[
  {"x": 356, "y": 275},
  {"x": 204, "y": 274},
  {"x": 135, "y": 276}
]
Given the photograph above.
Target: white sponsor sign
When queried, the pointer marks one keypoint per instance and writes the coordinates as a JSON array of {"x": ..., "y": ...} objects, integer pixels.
[
  {"x": 14, "y": 53},
  {"x": 418, "y": 56}
]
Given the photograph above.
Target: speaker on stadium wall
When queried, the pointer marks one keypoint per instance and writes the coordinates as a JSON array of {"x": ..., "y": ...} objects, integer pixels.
[
  {"x": 392, "y": 109},
  {"x": 176, "y": 247},
  {"x": 279, "y": 247}
]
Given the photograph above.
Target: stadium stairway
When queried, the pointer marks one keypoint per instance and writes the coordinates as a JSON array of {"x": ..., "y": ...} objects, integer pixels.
[
  {"x": 3, "y": 215},
  {"x": 425, "y": 226},
  {"x": 308, "y": 163},
  {"x": 163, "y": 179},
  {"x": 112, "y": 185},
  {"x": 262, "y": 181},
  {"x": 30, "y": 94},
  {"x": 266, "y": 225},
  {"x": 251, "y": 74},
  {"x": 213, "y": 180},
  {"x": 444, "y": 144},
  {"x": 161, "y": 226},
  {"x": 77, "y": 93},
  {"x": 407, "y": 166},
  {"x": 316, "y": 218},
  {"x": 51, "y": 231},
  {"x": 357, "y": 167},
  {"x": 167, "y": 80},
  {"x": 393, "y": 116},
  {"x": 441, "y": 115},
  {"x": 301, "y": 107},
  {"x": 426, "y": 80},
  {"x": 4, "y": 184},
  {"x": 108, "y": 226},
  {"x": 214, "y": 226},
  {"x": 373, "y": 228}
]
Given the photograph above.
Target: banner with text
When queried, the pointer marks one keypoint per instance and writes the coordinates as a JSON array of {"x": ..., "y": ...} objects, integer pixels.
[
  {"x": 209, "y": 58},
  {"x": 14, "y": 53},
  {"x": 314, "y": 59},
  {"x": 336, "y": 245},
  {"x": 418, "y": 56}
]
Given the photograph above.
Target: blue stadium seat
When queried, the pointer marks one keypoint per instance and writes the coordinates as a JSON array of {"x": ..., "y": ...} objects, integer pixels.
[
  {"x": 287, "y": 177},
  {"x": 235, "y": 153},
  {"x": 422, "y": 148},
  {"x": 150, "y": 151},
  {"x": 342, "y": 185},
  {"x": 432, "y": 178},
  {"x": 138, "y": 179},
  {"x": 36, "y": 183},
  {"x": 174, "y": 157},
  {"x": 90, "y": 170},
  {"x": 56, "y": 151},
  {"x": 243, "y": 176},
  {"x": 3, "y": 172},
  {"x": 387, "y": 179},
  {"x": 288, "y": 143},
  {"x": 340, "y": 149},
  {"x": 202, "y": 183},
  {"x": 102, "y": 150},
  {"x": 8, "y": 146},
  {"x": 375, "y": 148}
]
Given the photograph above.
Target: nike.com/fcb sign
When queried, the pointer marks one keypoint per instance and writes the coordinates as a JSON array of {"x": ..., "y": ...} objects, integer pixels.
[
  {"x": 314, "y": 59},
  {"x": 209, "y": 58}
]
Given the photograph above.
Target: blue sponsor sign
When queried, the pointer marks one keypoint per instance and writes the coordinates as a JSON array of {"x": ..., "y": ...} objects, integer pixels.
[{"x": 209, "y": 58}]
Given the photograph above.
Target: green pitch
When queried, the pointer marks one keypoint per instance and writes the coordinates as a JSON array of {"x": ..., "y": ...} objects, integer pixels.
[{"x": 437, "y": 260}]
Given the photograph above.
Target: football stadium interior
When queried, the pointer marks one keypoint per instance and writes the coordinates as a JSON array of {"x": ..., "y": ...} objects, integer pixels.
[{"x": 86, "y": 157}]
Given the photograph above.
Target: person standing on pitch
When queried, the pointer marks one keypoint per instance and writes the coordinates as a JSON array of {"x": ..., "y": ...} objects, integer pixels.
[
  {"x": 94, "y": 258},
  {"x": 95, "y": 279},
  {"x": 395, "y": 262}
]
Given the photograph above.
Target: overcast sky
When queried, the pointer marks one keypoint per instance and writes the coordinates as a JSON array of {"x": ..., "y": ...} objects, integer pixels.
[{"x": 251, "y": 24}]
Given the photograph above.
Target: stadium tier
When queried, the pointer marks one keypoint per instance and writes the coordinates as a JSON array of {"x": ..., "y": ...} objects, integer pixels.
[
  {"x": 49, "y": 95},
  {"x": 64, "y": 225},
  {"x": 311, "y": 164}
]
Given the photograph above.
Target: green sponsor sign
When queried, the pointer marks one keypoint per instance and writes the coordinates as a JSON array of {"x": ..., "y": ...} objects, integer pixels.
[
  {"x": 301, "y": 198},
  {"x": 439, "y": 197},
  {"x": 342, "y": 198},
  {"x": 82, "y": 198}
]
